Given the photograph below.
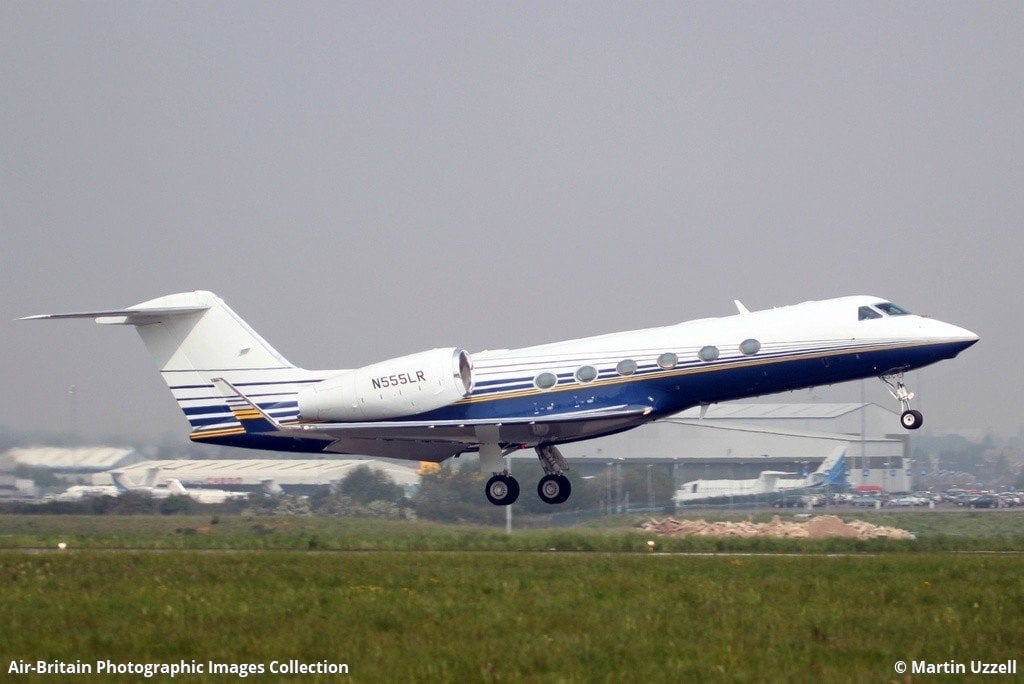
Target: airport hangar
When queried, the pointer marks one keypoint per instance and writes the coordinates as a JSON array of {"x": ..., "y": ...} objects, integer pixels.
[
  {"x": 738, "y": 441},
  {"x": 299, "y": 476}
]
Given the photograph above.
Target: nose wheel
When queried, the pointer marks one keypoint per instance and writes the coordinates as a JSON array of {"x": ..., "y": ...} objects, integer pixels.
[{"x": 910, "y": 419}]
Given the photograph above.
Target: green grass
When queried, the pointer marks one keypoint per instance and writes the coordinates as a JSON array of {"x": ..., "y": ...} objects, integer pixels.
[
  {"x": 501, "y": 616},
  {"x": 937, "y": 531},
  {"x": 416, "y": 601}
]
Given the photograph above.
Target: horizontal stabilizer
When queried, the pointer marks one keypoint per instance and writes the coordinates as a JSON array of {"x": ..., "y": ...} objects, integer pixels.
[{"x": 132, "y": 316}]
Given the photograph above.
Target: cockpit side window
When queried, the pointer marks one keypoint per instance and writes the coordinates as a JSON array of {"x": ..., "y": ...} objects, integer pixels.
[
  {"x": 892, "y": 309},
  {"x": 865, "y": 313}
]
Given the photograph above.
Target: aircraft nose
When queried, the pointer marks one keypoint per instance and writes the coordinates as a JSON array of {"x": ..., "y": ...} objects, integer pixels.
[
  {"x": 964, "y": 335},
  {"x": 956, "y": 338}
]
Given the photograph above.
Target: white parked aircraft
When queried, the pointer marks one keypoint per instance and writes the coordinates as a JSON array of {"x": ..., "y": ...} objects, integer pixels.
[
  {"x": 125, "y": 484},
  {"x": 79, "y": 492},
  {"x": 236, "y": 389},
  {"x": 205, "y": 496},
  {"x": 173, "y": 488},
  {"x": 832, "y": 471}
]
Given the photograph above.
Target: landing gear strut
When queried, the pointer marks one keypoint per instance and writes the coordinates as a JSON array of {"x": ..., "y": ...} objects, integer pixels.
[
  {"x": 909, "y": 419},
  {"x": 554, "y": 487}
]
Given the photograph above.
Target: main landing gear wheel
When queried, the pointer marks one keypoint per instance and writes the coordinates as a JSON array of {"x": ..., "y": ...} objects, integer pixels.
[
  {"x": 911, "y": 419},
  {"x": 554, "y": 489},
  {"x": 502, "y": 490}
]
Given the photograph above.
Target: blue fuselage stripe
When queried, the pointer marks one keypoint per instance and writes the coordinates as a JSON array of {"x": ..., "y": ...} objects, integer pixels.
[{"x": 664, "y": 392}]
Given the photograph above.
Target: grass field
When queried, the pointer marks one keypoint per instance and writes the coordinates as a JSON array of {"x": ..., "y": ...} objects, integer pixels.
[{"x": 479, "y": 606}]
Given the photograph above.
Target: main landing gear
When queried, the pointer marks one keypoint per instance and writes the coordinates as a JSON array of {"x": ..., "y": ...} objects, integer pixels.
[
  {"x": 909, "y": 419},
  {"x": 554, "y": 488}
]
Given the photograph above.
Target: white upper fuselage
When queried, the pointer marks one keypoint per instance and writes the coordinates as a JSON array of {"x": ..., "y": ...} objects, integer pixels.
[{"x": 820, "y": 330}]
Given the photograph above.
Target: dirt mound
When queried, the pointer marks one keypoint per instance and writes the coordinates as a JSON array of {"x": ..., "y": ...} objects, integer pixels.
[{"x": 818, "y": 527}]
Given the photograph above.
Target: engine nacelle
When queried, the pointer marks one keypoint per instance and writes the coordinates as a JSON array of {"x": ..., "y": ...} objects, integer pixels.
[{"x": 391, "y": 389}]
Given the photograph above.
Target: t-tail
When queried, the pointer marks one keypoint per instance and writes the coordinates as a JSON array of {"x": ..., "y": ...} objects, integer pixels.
[
  {"x": 195, "y": 338},
  {"x": 832, "y": 470}
]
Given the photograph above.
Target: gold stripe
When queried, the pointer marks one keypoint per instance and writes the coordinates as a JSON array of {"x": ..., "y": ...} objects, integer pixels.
[
  {"x": 206, "y": 434},
  {"x": 729, "y": 365}
]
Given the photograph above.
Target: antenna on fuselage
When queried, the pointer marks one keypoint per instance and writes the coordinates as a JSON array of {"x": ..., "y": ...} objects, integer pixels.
[{"x": 739, "y": 305}]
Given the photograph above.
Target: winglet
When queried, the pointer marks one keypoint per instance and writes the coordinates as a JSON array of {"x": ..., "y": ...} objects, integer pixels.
[
  {"x": 739, "y": 305},
  {"x": 246, "y": 411}
]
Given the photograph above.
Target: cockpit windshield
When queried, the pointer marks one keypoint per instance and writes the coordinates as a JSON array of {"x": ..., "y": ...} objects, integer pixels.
[
  {"x": 891, "y": 309},
  {"x": 866, "y": 313}
]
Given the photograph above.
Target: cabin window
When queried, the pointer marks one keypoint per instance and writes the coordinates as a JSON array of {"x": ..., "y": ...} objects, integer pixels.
[
  {"x": 668, "y": 360},
  {"x": 545, "y": 380},
  {"x": 892, "y": 309},
  {"x": 626, "y": 367},
  {"x": 750, "y": 347},
  {"x": 708, "y": 353},
  {"x": 865, "y": 313},
  {"x": 586, "y": 374}
]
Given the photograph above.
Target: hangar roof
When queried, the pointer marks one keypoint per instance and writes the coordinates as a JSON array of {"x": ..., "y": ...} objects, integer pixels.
[
  {"x": 79, "y": 458},
  {"x": 251, "y": 471}
]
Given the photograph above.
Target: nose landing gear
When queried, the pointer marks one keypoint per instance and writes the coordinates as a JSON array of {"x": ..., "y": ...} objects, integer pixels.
[{"x": 910, "y": 419}]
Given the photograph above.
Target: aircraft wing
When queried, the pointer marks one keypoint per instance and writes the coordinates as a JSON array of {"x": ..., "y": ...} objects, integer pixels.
[
  {"x": 436, "y": 440},
  {"x": 560, "y": 426}
]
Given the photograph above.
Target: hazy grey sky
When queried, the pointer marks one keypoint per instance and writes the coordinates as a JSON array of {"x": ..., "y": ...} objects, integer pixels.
[{"x": 364, "y": 180}]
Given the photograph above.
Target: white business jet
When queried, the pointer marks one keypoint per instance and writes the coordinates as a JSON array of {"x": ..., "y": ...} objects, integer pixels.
[
  {"x": 768, "y": 482},
  {"x": 237, "y": 390}
]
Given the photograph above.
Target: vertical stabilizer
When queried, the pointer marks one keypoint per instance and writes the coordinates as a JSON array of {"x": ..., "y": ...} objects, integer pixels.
[
  {"x": 831, "y": 471},
  {"x": 122, "y": 482},
  {"x": 195, "y": 337},
  {"x": 196, "y": 331}
]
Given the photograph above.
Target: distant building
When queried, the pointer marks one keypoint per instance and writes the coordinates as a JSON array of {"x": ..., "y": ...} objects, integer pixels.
[
  {"x": 252, "y": 473},
  {"x": 71, "y": 460},
  {"x": 12, "y": 487}
]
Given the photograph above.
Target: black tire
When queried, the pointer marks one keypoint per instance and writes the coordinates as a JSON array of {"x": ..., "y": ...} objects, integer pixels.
[
  {"x": 502, "y": 490},
  {"x": 566, "y": 489},
  {"x": 911, "y": 419},
  {"x": 514, "y": 486},
  {"x": 554, "y": 489}
]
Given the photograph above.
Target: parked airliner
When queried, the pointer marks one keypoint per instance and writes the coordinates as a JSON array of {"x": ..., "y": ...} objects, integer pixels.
[{"x": 237, "y": 390}]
